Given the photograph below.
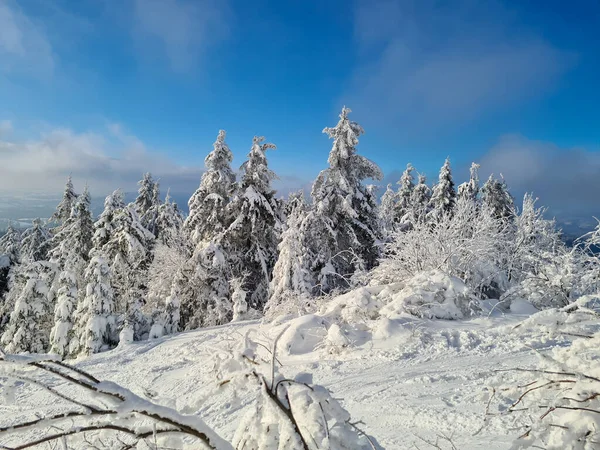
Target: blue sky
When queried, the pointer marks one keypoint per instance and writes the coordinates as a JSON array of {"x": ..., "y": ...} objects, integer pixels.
[{"x": 108, "y": 89}]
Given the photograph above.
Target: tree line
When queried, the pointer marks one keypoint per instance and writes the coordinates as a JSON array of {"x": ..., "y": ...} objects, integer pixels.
[{"x": 77, "y": 286}]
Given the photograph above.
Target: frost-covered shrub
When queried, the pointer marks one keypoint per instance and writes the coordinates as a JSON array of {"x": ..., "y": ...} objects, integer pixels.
[
  {"x": 433, "y": 295},
  {"x": 467, "y": 243}
]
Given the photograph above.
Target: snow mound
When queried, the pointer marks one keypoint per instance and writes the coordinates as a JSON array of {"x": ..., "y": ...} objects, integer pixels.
[
  {"x": 433, "y": 295},
  {"x": 303, "y": 335}
]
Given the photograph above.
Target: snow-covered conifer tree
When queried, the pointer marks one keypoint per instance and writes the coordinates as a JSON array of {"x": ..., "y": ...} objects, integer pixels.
[
  {"x": 10, "y": 244},
  {"x": 470, "y": 189},
  {"x": 94, "y": 318},
  {"x": 71, "y": 255},
  {"x": 72, "y": 244},
  {"x": 10, "y": 258},
  {"x": 421, "y": 197},
  {"x": 35, "y": 243},
  {"x": 203, "y": 287},
  {"x": 169, "y": 224},
  {"x": 127, "y": 250},
  {"x": 28, "y": 329},
  {"x": 251, "y": 239},
  {"x": 387, "y": 209},
  {"x": 105, "y": 225},
  {"x": 146, "y": 195},
  {"x": 443, "y": 196},
  {"x": 207, "y": 206},
  {"x": 404, "y": 197},
  {"x": 172, "y": 314},
  {"x": 63, "y": 210},
  {"x": 149, "y": 217},
  {"x": 66, "y": 302},
  {"x": 496, "y": 196},
  {"x": 292, "y": 281},
  {"x": 343, "y": 226}
]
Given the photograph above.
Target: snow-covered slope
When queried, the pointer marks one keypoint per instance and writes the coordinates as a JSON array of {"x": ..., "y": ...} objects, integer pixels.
[{"x": 409, "y": 380}]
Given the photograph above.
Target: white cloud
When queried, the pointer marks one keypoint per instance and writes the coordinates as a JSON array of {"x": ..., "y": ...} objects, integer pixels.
[
  {"x": 24, "y": 46},
  {"x": 183, "y": 29},
  {"x": 103, "y": 160},
  {"x": 426, "y": 63},
  {"x": 565, "y": 179}
]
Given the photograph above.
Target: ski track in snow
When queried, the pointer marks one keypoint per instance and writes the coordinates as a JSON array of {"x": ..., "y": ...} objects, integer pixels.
[{"x": 421, "y": 382}]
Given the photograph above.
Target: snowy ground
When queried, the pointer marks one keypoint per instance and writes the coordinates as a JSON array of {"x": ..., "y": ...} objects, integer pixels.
[{"x": 423, "y": 380}]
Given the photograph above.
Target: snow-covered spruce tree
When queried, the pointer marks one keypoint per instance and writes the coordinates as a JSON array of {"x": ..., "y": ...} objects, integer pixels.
[
  {"x": 404, "y": 198},
  {"x": 71, "y": 255},
  {"x": 343, "y": 228},
  {"x": 495, "y": 194},
  {"x": 146, "y": 195},
  {"x": 147, "y": 203},
  {"x": 421, "y": 198},
  {"x": 63, "y": 210},
  {"x": 129, "y": 255},
  {"x": 10, "y": 257},
  {"x": 172, "y": 314},
  {"x": 292, "y": 282},
  {"x": 35, "y": 243},
  {"x": 10, "y": 244},
  {"x": 28, "y": 329},
  {"x": 203, "y": 287},
  {"x": 470, "y": 189},
  {"x": 443, "y": 196},
  {"x": 66, "y": 302},
  {"x": 105, "y": 225},
  {"x": 207, "y": 206},
  {"x": 387, "y": 209},
  {"x": 95, "y": 326},
  {"x": 72, "y": 244},
  {"x": 251, "y": 239},
  {"x": 169, "y": 224}
]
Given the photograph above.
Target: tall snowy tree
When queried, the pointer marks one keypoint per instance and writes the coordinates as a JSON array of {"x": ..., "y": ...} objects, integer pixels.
[
  {"x": 292, "y": 281},
  {"x": 147, "y": 204},
  {"x": 251, "y": 239},
  {"x": 146, "y": 194},
  {"x": 387, "y": 209},
  {"x": 10, "y": 244},
  {"x": 207, "y": 206},
  {"x": 10, "y": 257},
  {"x": 495, "y": 194},
  {"x": 443, "y": 196},
  {"x": 73, "y": 243},
  {"x": 105, "y": 225},
  {"x": 66, "y": 302},
  {"x": 421, "y": 198},
  {"x": 95, "y": 326},
  {"x": 35, "y": 243},
  {"x": 71, "y": 254},
  {"x": 124, "y": 243},
  {"x": 169, "y": 224},
  {"x": 28, "y": 329},
  {"x": 63, "y": 210},
  {"x": 343, "y": 227},
  {"x": 470, "y": 189},
  {"x": 128, "y": 255},
  {"x": 404, "y": 196}
]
